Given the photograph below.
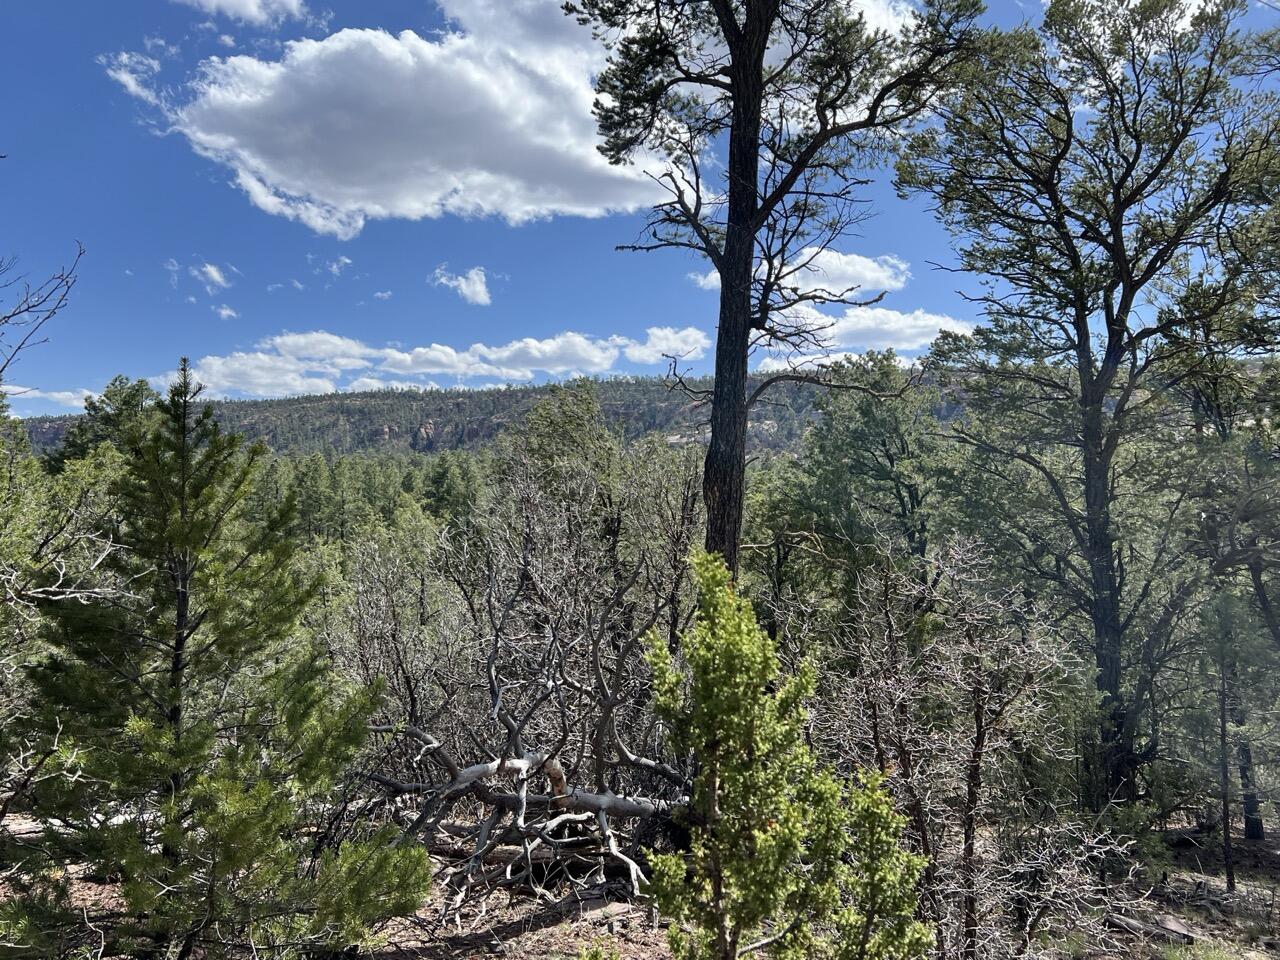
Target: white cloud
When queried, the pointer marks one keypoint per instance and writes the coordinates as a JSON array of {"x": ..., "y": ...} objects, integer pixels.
[
  {"x": 211, "y": 276},
  {"x": 472, "y": 286},
  {"x": 382, "y": 295},
  {"x": 261, "y": 375},
  {"x": 377, "y": 383},
  {"x": 814, "y": 362},
  {"x": 64, "y": 398},
  {"x": 134, "y": 72},
  {"x": 225, "y": 312},
  {"x": 857, "y": 329},
  {"x": 834, "y": 272},
  {"x": 226, "y": 39},
  {"x": 337, "y": 266},
  {"x": 492, "y": 118},
  {"x": 161, "y": 46},
  {"x": 560, "y": 355},
  {"x": 707, "y": 281},
  {"x": 837, "y": 271},
  {"x": 258, "y": 12},
  {"x": 689, "y": 343},
  {"x": 565, "y": 353},
  {"x": 297, "y": 285},
  {"x": 317, "y": 361},
  {"x": 335, "y": 351},
  {"x": 780, "y": 363},
  {"x": 890, "y": 15},
  {"x": 879, "y": 328}
]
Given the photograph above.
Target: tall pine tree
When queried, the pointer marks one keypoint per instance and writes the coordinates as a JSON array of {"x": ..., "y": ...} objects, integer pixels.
[{"x": 196, "y": 739}]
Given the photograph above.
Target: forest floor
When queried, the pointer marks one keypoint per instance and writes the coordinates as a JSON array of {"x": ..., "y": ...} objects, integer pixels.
[
  {"x": 1186, "y": 894},
  {"x": 1189, "y": 896},
  {"x": 523, "y": 928},
  {"x": 1243, "y": 924}
]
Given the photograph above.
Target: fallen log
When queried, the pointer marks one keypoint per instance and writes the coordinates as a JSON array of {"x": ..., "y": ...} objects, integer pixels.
[{"x": 1166, "y": 930}]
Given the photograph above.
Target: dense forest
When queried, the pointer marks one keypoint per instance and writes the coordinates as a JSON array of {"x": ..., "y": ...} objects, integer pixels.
[
  {"x": 430, "y": 421},
  {"x": 968, "y": 656}
]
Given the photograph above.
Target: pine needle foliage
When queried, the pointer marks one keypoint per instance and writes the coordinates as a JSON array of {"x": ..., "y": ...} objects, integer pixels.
[
  {"x": 785, "y": 859},
  {"x": 199, "y": 738}
]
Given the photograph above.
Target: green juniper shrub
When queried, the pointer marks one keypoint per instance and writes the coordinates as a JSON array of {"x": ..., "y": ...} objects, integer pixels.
[{"x": 783, "y": 854}]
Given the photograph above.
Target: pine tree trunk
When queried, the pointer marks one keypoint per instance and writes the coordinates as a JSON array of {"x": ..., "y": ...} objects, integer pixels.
[
  {"x": 1117, "y": 757},
  {"x": 1254, "y": 828},
  {"x": 1224, "y": 778},
  {"x": 725, "y": 470},
  {"x": 1269, "y": 616}
]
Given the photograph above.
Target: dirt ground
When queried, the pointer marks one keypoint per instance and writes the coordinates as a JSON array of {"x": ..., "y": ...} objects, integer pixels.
[
  {"x": 524, "y": 929},
  {"x": 1187, "y": 891}
]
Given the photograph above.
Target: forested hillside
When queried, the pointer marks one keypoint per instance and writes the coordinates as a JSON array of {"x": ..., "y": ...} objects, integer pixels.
[{"x": 404, "y": 421}]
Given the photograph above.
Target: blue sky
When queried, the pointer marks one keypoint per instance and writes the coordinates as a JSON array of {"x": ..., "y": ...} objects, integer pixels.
[{"x": 305, "y": 197}]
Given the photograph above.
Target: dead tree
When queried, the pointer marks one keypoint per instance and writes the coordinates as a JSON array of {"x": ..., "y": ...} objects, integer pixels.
[
  {"x": 516, "y": 737},
  {"x": 26, "y": 308},
  {"x": 948, "y": 688}
]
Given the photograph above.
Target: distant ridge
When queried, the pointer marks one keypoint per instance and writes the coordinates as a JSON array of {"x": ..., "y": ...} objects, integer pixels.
[{"x": 404, "y": 421}]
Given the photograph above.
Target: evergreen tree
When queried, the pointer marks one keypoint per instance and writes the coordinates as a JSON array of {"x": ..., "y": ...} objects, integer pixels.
[
  {"x": 1106, "y": 177},
  {"x": 784, "y": 857},
  {"x": 107, "y": 419},
  {"x": 801, "y": 97},
  {"x": 196, "y": 744}
]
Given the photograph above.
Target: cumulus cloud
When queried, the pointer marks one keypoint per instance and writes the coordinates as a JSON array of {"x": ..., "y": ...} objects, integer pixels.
[
  {"x": 880, "y": 328},
  {"x": 337, "y": 266},
  {"x": 225, "y": 312},
  {"x": 261, "y": 374},
  {"x": 707, "y": 281},
  {"x": 688, "y": 343},
  {"x": 378, "y": 383},
  {"x": 472, "y": 286},
  {"x": 780, "y": 363},
  {"x": 834, "y": 272},
  {"x": 317, "y": 361},
  {"x": 336, "y": 352},
  {"x": 837, "y": 271},
  {"x": 64, "y": 398},
  {"x": 861, "y": 328},
  {"x": 491, "y": 118},
  {"x": 160, "y": 46},
  {"x": 258, "y": 12},
  {"x": 382, "y": 295},
  {"x": 563, "y": 354}
]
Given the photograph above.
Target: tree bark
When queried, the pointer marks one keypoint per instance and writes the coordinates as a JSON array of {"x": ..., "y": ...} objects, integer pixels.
[
  {"x": 1260, "y": 593},
  {"x": 1224, "y": 778},
  {"x": 1254, "y": 827},
  {"x": 724, "y": 473},
  {"x": 1118, "y": 760}
]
